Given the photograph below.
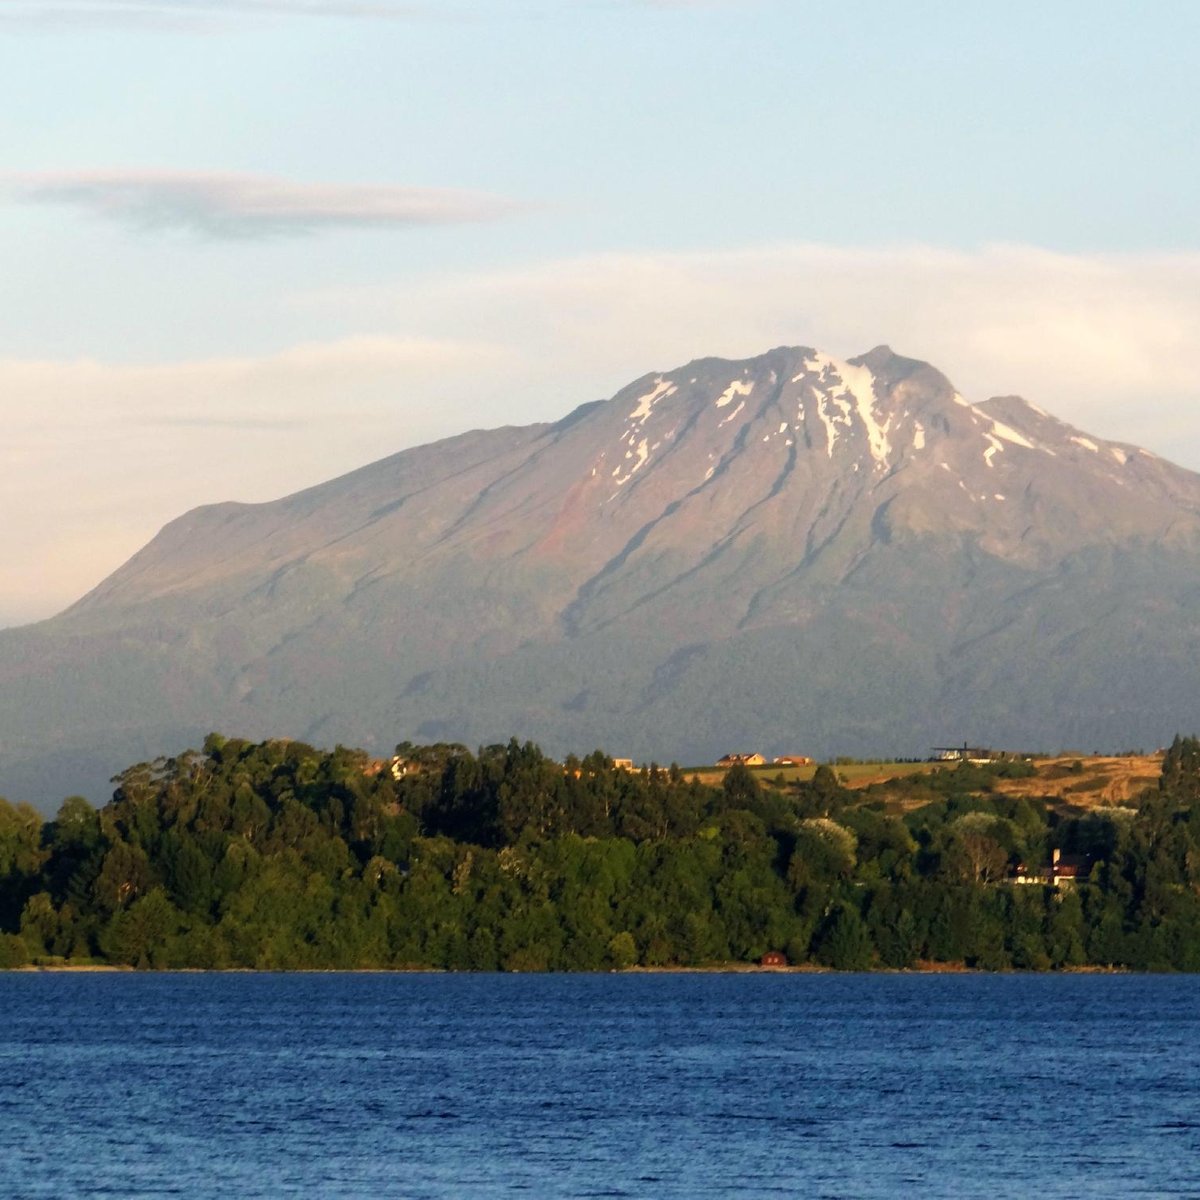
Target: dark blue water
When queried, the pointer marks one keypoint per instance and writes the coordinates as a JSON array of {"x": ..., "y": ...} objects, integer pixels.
[{"x": 609, "y": 1085}]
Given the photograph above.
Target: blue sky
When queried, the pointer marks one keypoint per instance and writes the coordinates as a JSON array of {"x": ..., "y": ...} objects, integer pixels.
[{"x": 250, "y": 245}]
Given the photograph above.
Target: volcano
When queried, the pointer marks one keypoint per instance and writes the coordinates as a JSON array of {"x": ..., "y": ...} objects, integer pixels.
[{"x": 791, "y": 554}]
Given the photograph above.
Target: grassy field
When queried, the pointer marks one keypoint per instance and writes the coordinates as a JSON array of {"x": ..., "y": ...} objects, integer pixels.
[
  {"x": 849, "y": 774},
  {"x": 1092, "y": 782}
]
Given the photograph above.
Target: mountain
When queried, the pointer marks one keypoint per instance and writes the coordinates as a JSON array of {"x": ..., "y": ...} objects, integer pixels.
[{"x": 790, "y": 553}]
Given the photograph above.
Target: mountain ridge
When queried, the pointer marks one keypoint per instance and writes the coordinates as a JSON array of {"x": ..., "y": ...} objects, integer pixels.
[{"x": 792, "y": 550}]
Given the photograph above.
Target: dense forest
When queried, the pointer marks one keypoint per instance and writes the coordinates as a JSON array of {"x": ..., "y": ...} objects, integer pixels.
[{"x": 276, "y": 855}]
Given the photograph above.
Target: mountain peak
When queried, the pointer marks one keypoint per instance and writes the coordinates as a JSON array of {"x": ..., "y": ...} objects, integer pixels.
[{"x": 877, "y": 358}]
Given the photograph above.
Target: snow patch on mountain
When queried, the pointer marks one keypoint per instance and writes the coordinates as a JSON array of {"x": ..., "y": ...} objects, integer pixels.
[
  {"x": 733, "y": 415},
  {"x": 662, "y": 389},
  {"x": 831, "y": 433},
  {"x": 736, "y": 388},
  {"x": 1009, "y": 434},
  {"x": 831, "y": 420},
  {"x": 642, "y": 455},
  {"x": 852, "y": 389},
  {"x": 860, "y": 383}
]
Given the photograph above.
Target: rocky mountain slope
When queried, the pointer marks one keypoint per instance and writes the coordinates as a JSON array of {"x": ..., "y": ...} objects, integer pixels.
[{"x": 791, "y": 553}]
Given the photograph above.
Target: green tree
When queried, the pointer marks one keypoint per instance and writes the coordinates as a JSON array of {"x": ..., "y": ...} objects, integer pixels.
[
  {"x": 1180, "y": 777},
  {"x": 845, "y": 943},
  {"x": 140, "y": 935},
  {"x": 13, "y": 952},
  {"x": 622, "y": 950}
]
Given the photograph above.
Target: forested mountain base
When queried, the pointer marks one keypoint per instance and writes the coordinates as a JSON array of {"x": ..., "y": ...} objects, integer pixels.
[{"x": 280, "y": 856}]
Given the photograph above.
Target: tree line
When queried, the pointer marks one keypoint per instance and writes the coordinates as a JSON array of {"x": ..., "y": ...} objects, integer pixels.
[{"x": 277, "y": 855}]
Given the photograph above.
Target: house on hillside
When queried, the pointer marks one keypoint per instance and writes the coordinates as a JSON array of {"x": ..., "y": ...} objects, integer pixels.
[
  {"x": 1063, "y": 870},
  {"x": 399, "y": 767},
  {"x": 741, "y": 760},
  {"x": 619, "y": 764},
  {"x": 792, "y": 760},
  {"x": 1066, "y": 870},
  {"x": 978, "y": 755}
]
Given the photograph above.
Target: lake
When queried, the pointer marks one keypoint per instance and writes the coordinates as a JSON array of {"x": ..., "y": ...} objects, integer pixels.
[{"x": 453, "y": 1086}]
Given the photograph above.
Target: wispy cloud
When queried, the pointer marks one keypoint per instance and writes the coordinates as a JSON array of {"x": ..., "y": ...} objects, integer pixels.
[
  {"x": 185, "y": 14},
  {"x": 241, "y": 424},
  {"x": 252, "y": 206},
  {"x": 97, "y": 455},
  {"x": 1106, "y": 341},
  {"x": 691, "y": 3},
  {"x": 682, "y": 6},
  {"x": 207, "y": 15}
]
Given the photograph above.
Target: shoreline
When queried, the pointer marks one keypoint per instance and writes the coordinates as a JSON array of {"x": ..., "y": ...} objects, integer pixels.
[{"x": 733, "y": 968}]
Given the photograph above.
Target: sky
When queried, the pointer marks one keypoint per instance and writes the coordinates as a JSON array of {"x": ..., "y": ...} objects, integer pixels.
[{"x": 248, "y": 245}]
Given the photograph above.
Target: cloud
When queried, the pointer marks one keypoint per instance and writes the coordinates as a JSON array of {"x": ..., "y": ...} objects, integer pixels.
[
  {"x": 251, "y": 206},
  {"x": 97, "y": 456},
  {"x": 208, "y": 15},
  {"x": 242, "y": 423},
  {"x": 1104, "y": 341},
  {"x": 310, "y": 387},
  {"x": 190, "y": 14},
  {"x": 692, "y": 3}
]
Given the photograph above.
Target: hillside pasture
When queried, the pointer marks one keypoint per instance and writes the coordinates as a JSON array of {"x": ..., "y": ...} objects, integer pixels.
[{"x": 1070, "y": 781}]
